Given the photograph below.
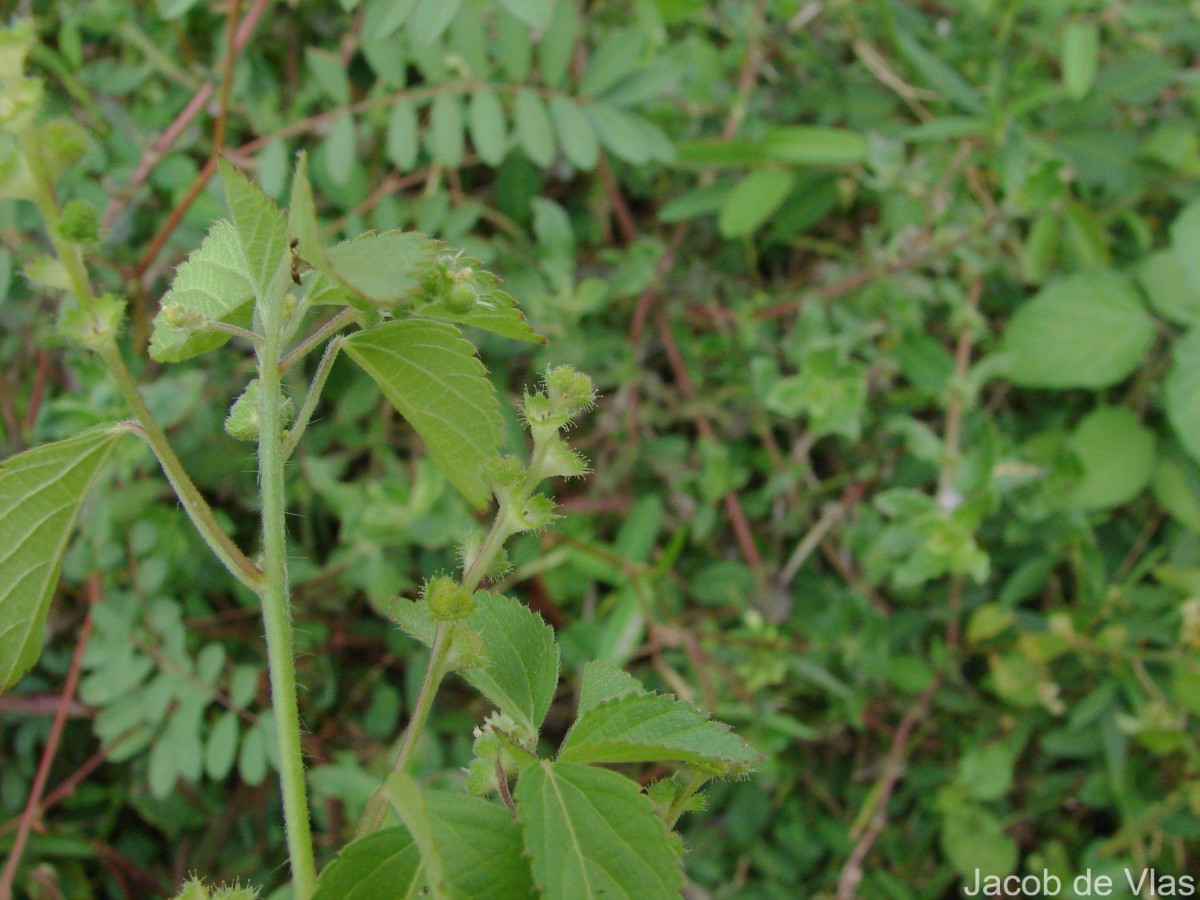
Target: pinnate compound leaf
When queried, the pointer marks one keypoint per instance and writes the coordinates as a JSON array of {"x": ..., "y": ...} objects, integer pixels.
[
  {"x": 590, "y": 832},
  {"x": 378, "y": 269},
  {"x": 470, "y": 849},
  {"x": 41, "y": 492},
  {"x": 1088, "y": 330},
  {"x": 384, "y": 864},
  {"x": 262, "y": 233},
  {"x": 431, "y": 374},
  {"x": 213, "y": 285},
  {"x": 604, "y": 681},
  {"x": 650, "y": 727}
]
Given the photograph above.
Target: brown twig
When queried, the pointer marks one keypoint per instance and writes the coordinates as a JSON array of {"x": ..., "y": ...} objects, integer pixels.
[
  {"x": 31, "y": 812},
  {"x": 893, "y": 770},
  {"x": 39, "y": 386}
]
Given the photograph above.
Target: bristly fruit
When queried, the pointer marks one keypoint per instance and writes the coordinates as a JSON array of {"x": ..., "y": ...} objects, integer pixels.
[{"x": 447, "y": 599}]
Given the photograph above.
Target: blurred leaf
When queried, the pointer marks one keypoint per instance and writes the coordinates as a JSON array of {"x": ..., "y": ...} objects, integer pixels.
[
  {"x": 488, "y": 130},
  {"x": 753, "y": 200},
  {"x": 534, "y": 131},
  {"x": 1080, "y": 57}
]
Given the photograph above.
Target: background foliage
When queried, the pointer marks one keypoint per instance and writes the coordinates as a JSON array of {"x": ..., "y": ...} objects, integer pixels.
[{"x": 892, "y": 308}]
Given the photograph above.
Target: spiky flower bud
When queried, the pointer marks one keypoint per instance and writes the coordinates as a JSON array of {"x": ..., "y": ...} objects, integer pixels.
[
  {"x": 79, "y": 223},
  {"x": 570, "y": 391},
  {"x": 447, "y": 599}
]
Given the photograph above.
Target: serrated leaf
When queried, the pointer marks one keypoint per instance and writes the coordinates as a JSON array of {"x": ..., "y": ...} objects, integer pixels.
[
  {"x": 534, "y": 13},
  {"x": 590, "y": 832},
  {"x": 753, "y": 201},
  {"x": 651, "y": 727},
  {"x": 402, "y": 130},
  {"x": 576, "y": 136},
  {"x": 446, "y": 130},
  {"x": 381, "y": 269},
  {"x": 384, "y": 864},
  {"x": 1088, "y": 330},
  {"x": 41, "y": 492},
  {"x": 521, "y": 672},
  {"x": 470, "y": 849},
  {"x": 212, "y": 283},
  {"x": 262, "y": 235},
  {"x": 534, "y": 131},
  {"x": 431, "y": 375},
  {"x": 495, "y": 311},
  {"x": 603, "y": 681},
  {"x": 488, "y": 132}
]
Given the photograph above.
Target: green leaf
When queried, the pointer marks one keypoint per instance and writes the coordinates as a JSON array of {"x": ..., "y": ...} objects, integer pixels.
[
  {"x": 470, "y": 849},
  {"x": 382, "y": 269},
  {"x": 41, "y": 492},
  {"x": 220, "y": 750},
  {"x": 810, "y": 145},
  {"x": 619, "y": 133},
  {"x": 700, "y": 202},
  {"x": 650, "y": 727},
  {"x": 431, "y": 18},
  {"x": 384, "y": 864},
  {"x": 753, "y": 201},
  {"x": 1182, "y": 390},
  {"x": 489, "y": 134},
  {"x": 431, "y": 375},
  {"x": 1118, "y": 455},
  {"x": 521, "y": 672},
  {"x": 612, "y": 61},
  {"x": 330, "y": 73},
  {"x": 603, "y": 681},
  {"x": 974, "y": 841},
  {"x": 212, "y": 284},
  {"x": 1080, "y": 57},
  {"x": 262, "y": 236},
  {"x": 534, "y": 131},
  {"x": 1176, "y": 487},
  {"x": 557, "y": 44},
  {"x": 578, "y": 139},
  {"x": 494, "y": 310},
  {"x": 446, "y": 130},
  {"x": 590, "y": 832},
  {"x": 1088, "y": 330},
  {"x": 535, "y": 13},
  {"x": 340, "y": 151},
  {"x": 1185, "y": 241},
  {"x": 1164, "y": 278},
  {"x": 402, "y": 133},
  {"x": 940, "y": 76}
]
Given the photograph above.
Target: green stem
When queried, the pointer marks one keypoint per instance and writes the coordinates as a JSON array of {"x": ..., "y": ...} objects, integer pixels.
[
  {"x": 277, "y": 615},
  {"x": 312, "y": 397},
  {"x": 334, "y": 325},
  {"x": 435, "y": 671},
  {"x": 694, "y": 784}
]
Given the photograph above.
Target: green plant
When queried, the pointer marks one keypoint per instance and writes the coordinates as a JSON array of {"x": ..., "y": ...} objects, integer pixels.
[{"x": 571, "y": 827}]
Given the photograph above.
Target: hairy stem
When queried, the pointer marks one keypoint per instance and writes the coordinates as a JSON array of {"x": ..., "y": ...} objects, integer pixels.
[
  {"x": 685, "y": 794},
  {"x": 334, "y": 325},
  {"x": 435, "y": 671},
  {"x": 276, "y": 607},
  {"x": 324, "y": 367}
]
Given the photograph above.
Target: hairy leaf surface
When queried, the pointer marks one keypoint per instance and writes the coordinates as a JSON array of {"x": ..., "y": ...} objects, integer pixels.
[
  {"x": 431, "y": 375},
  {"x": 384, "y": 864},
  {"x": 591, "y": 833}
]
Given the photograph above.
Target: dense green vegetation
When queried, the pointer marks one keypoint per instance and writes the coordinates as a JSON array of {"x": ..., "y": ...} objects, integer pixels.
[{"x": 892, "y": 310}]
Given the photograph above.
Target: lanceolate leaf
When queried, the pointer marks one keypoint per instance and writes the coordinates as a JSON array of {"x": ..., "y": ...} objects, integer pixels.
[
  {"x": 261, "y": 233},
  {"x": 213, "y": 284},
  {"x": 431, "y": 375},
  {"x": 578, "y": 139},
  {"x": 487, "y": 126},
  {"x": 649, "y": 727},
  {"x": 384, "y": 864},
  {"x": 591, "y": 833},
  {"x": 471, "y": 849},
  {"x": 41, "y": 492},
  {"x": 534, "y": 130}
]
